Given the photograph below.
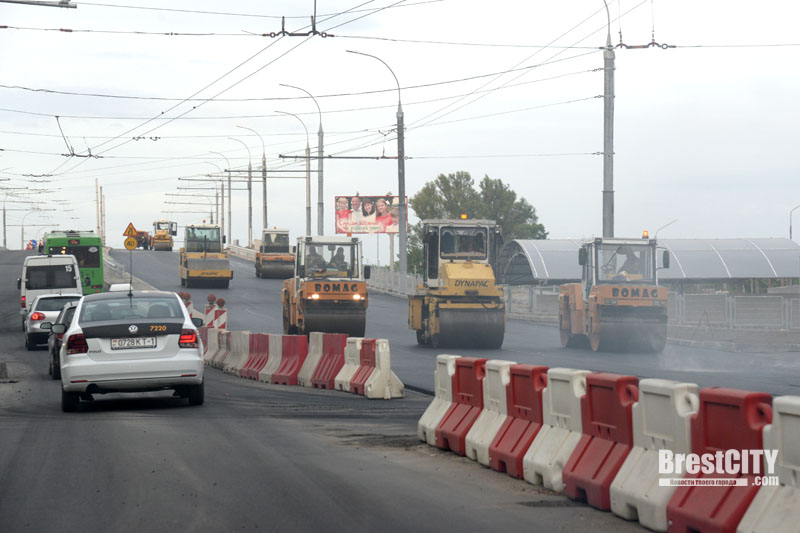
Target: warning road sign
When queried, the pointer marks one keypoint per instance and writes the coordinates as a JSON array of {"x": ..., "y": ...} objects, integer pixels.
[
  {"x": 130, "y": 231},
  {"x": 130, "y": 243}
]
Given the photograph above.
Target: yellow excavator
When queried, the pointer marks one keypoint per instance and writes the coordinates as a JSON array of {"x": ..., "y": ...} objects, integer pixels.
[
  {"x": 618, "y": 306},
  {"x": 204, "y": 261},
  {"x": 459, "y": 302},
  {"x": 163, "y": 231},
  {"x": 274, "y": 258}
]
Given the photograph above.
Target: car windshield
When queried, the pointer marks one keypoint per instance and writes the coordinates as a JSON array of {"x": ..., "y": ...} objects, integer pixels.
[
  {"x": 463, "y": 243},
  {"x": 50, "y": 277},
  {"x": 629, "y": 263},
  {"x": 203, "y": 240},
  {"x": 133, "y": 308},
  {"x": 331, "y": 261},
  {"x": 54, "y": 304}
]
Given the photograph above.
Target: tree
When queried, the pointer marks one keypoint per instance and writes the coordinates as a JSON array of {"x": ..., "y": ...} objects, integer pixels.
[{"x": 448, "y": 196}]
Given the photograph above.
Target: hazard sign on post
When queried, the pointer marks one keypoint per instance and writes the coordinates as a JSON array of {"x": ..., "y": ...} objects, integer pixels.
[{"x": 130, "y": 231}]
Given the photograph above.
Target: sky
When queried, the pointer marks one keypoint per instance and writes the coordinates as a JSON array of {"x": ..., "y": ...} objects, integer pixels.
[{"x": 706, "y": 133}]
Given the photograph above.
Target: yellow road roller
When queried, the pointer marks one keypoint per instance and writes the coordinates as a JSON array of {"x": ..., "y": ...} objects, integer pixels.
[
  {"x": 274, "y": 258},
  {"x": 204, "y": 261}
]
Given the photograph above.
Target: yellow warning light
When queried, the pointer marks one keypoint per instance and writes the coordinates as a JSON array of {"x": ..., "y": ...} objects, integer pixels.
[
  {"x": 645, "y": 234},
  {"x": 463, "y": 216}
]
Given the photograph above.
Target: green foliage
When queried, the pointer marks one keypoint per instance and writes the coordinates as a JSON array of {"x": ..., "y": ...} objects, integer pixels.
[{"x": 448, "y": 196}]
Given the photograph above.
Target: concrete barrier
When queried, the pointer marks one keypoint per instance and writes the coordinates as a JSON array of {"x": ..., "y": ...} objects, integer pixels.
[
  {"x": 259, "y": 346},
  {"x": 443, "y": 399},
  {"x": 239, "y": 353},
  {"x": 493, "y": 415}
]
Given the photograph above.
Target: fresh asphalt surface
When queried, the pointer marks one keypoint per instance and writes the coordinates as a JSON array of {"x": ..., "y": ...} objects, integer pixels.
[{"x": 254, "y": 457}]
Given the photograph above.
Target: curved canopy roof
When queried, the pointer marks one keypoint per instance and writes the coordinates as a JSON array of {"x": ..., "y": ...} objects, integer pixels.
[{"x": 556, "y": 260}]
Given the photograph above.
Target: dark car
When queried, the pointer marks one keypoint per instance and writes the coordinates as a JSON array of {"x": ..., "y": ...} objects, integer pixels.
[{"x": 54, "y": 340}]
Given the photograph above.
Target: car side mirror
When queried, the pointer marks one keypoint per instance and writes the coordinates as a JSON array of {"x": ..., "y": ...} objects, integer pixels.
[
  {"x": 59, "y": 329},
  {"x": 197, "y": 321},
  {"x": 582, "y": 256},
  {"x": 46, "y": 326},
  {"x": 366, "y": 272},
  {"x": 19, "y": 283},
  {"x": 665, "y": 259}
]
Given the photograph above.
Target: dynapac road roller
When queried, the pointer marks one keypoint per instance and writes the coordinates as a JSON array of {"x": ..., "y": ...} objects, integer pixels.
[
  {"x": 328, "y": 292},
  {"x": 204, "y": 261},
  {"x": 618, "y": 305},
  {"x": 459, "y": 302},
  {"x": 274, "y": 259},
  {"x": 163, "y": 231}
]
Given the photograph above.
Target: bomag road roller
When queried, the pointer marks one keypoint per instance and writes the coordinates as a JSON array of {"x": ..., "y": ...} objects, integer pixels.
[
  {"x": 163, "y": 231},
  {"x": 459, "y": 302},
  {"x": 618, "y": 306},
  {"x": 204, "y": 261},
  {"x": 328, "y": 292},
  {"x": 274, "y": 258}
]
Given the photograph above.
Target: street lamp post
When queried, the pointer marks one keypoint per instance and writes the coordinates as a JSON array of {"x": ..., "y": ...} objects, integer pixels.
[
  {"x": 608, "y": 133},
  {"x": 401, "y": 171},
  {"x": 221, "y": 213},
  {"x": 308, "y": 173},
  {"x": 263, "y": 173},
  {"x": 249, "y": 192},
  {"x": 230, "y": 216},
  {"x": 320, "y": 144},
  {"x": 790, "y": 220}
]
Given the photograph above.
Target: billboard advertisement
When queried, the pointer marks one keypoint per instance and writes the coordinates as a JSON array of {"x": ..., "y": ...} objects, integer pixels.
[{"x": 368, "y": 214}]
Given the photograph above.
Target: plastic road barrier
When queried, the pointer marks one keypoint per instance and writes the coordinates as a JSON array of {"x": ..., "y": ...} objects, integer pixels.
[
  {"x": 661, "y": 421},
  {"x": 259, "y": 346},
  {"x": 274, "y": 361},
  {"x": 777, "y": 509},
  {"x": 202, "y": 331},
  {"x": 451, "y": 433},
  {"x": 366, "y": 364},
  {"x": 352, "y": 357},
  {"x": 294, "y": 349},
  {"x": 443, "y": 399},
  {"x": 312, "y": 359},
  {"x": 374, "y": 377},
  {"x": 493, "y": 415},
  {"x": 544, "y": 461},
  {"x": 331, "y": 362},
  {"x": 240, "y": 352},
  {"x": 727, "y": 419},
  {"x": 524, "y": 407},
  {"x": 607, "y": 438},
  {"x": 224, "y": 348},
  {"x": 216, "y": 317},
  {"x": 213, "y": 345}
]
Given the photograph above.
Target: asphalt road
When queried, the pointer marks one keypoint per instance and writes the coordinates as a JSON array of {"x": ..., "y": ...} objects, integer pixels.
[
  {"x": 254, "y": 457},
  {"x": 254, "y": 305}
]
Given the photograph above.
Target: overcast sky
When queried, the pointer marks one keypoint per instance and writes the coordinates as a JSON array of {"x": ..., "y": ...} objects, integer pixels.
[{"x": 706, "y": 133}]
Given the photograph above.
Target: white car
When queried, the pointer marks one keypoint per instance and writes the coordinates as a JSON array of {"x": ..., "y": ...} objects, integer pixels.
[
  {"x": 45, "y": 308},
  {"x": 130, "y": 342}
]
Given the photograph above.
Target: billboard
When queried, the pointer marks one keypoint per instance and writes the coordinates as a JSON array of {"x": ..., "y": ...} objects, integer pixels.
[{"x": 368, "y": 214}]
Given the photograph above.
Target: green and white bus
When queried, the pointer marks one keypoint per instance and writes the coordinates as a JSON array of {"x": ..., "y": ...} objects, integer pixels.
[{"x": 87, "y": 248}]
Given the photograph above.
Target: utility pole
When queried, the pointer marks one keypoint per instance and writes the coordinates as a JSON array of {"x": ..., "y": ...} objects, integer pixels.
[
  {"x": 608, "y": 134},
  {"x": 97, "y": 204}
]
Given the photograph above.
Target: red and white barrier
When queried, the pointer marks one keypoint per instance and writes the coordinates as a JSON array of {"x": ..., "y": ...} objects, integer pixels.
[
  {"x": 494, "y": 414},
  {"x": 202, "y": 332},
  {"x": 239, "y": 353},
  {"x": 312, "y": 359},
  {"x": 294, "y": 349},
  {"x": 443, "y": 399},
  {"x": 524, "y": 407},
  {"x": 212, "y": 346},
  {"x": 451, "y": 433},
  {"x": 727, "y": 419},
  {"x": 222, "y": 350},
  {"x": 549, "y": 452},
  {"x": 331, "y": 362},
  {"x": 352, "y": 359},
  {"x": 374, "y": 377},
  {"x": 258, "y": 356},
  {"x": 606, "y": 441},
  {"x": 778, "y": 508},
  {"x": 216, "y": 317},
  {"x": 274, "y": 361},
  {"x": 661, "y": 421}
]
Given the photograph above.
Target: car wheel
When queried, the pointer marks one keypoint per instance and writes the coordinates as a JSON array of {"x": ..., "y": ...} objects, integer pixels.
[
  {"x": 50, "y": 366},
  {"x": 56, "y": 369},
  {"x": 69, "y": 401},
  {"x": 29, "y": 344},
  {"x": 196, "y": 394}
]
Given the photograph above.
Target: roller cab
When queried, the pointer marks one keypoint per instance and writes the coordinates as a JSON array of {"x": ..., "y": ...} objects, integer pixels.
[
  {"x": 618, "y": 306},
  {"x": 275, "y": 257},
  {"x": 204, "y": 261},
  {"x": 328, "y": 292},
  {"x": 459, "y": 302}
]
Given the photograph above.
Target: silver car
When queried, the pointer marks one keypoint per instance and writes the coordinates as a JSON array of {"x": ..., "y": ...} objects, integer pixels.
[
  {"x": 45, "y": 308},
  {"x": 130, "y": 342}
]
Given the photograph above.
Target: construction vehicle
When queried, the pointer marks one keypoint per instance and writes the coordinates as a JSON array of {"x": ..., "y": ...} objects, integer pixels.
[
  {"x": 274, "y": 258},
  {"x": 142, "y": 240},
  {"x": 459, "y": 302},
  {"x": 618, "y": 305},
  {"x": 328, "y": 292},
  {"x": 163, "y": 231},
  {"x": 204, "y": 261}
]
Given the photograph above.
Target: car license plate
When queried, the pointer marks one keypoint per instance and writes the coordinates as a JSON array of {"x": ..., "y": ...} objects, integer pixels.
[{"x": 133, "y": 343}]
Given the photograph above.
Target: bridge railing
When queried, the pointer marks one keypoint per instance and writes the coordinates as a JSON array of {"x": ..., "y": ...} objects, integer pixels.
[
  {"x": 384, "y": 280},
  {"x": 242, "y": 252}
]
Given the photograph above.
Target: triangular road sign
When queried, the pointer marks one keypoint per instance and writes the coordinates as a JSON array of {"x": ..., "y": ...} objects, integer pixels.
[{"x": 130, "y": 231}]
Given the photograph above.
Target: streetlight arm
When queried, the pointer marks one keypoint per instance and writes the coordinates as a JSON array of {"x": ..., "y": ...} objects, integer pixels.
[
  {"x": 384, "y": 63},
  {"x": 263, "y": 146}
]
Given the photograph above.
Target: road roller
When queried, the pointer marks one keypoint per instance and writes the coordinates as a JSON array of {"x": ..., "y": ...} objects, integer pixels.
[
  {"x": 459, "y": 303},
  {"x": 274, "y": 258},
  {"x": 204, "y": 260},
  {"x": 328, "y": 292},
  {"x": 163, "y": 231},
  {"x": 618, "y": 306}
]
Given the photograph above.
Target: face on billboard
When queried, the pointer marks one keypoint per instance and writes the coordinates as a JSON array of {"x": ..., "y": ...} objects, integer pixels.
[
  {"x": 367, "y": 214},
  {"x": 341, "y": 204},
  {"x": 355, "y": 203}
]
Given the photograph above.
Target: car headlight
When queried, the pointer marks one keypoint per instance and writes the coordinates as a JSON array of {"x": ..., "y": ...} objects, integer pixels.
[
  {"x": 315, "y": 296},
  {"x": 356, "y": 297}
]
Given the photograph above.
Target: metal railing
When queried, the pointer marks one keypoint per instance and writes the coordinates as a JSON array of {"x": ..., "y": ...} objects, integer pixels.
[
  {"x": 382, "y": 279},
  {"x": 242, "y": 252}
]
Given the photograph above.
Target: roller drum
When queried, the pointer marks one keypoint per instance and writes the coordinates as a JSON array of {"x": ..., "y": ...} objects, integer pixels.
[{"x": 468, "y": 328}]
